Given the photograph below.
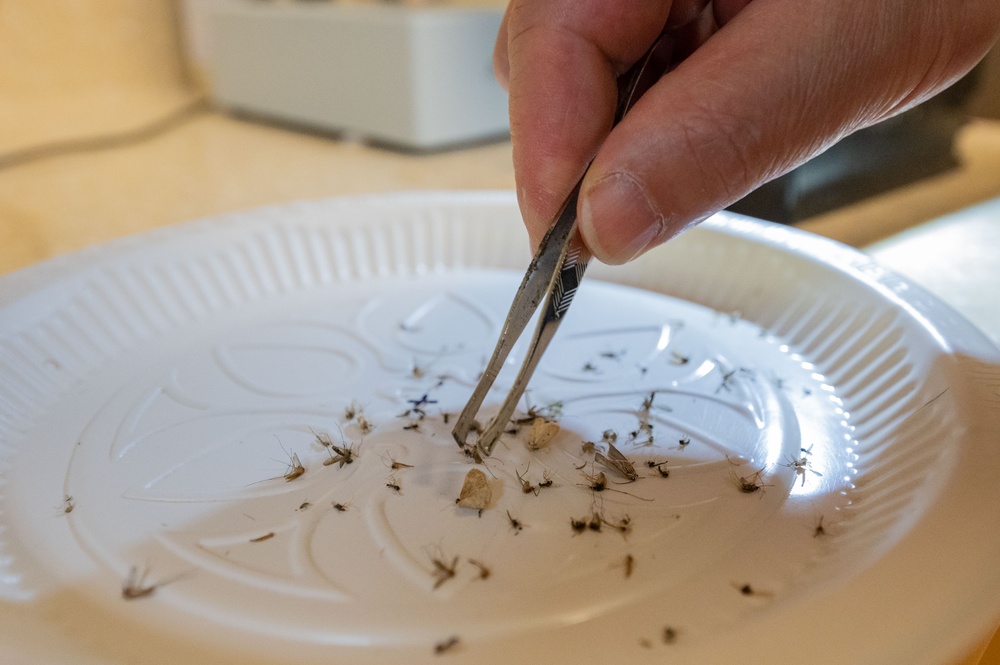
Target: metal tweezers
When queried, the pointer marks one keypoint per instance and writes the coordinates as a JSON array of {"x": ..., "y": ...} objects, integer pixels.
[{"x": 554, "y": 274}]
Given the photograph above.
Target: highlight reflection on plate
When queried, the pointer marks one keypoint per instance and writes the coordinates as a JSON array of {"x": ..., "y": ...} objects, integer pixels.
[{"x": 258, "y": 415}]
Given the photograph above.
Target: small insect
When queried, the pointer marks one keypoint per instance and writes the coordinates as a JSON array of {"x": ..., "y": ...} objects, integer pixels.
[
  {"x": 484, "y": 570},
  {"x": 344, "y": 507},
  {"x": 629, "y": 564},
  {"x": 445, "y": 417},
  {"x": 684, "y": 441},
  {"x": 546, "y": 481},
  {"x": 526, "y": 487},
  {"x": 305, "y": 505},
  {"x": 542, "y": 433},
  {"x": 749, "y": 484},
  {"x": 135, "y": 586},
  {"x": 678, "y": 359},
  {"x": 396, "y": 464},
  {"x": 340, "y": 455},
  {"x": 417, "y": 371},
  {"x": 353, "y": 410},
  {"x": 802, "y": 465},
  {"x": 366, "y": 426},
  {"x": 393, "y": 484},
  {"x": 295, "y": 468},
  {"x": 623, "y": 526},
  {"x": 412, "y": 426},
  {"x": 443, "y": 571},
  {"x": 669, "y": 635},
  {"x": 68, "y": 504},
  {"x": 660, "y": 467},
  {"x": 551, "y": 411},
  {"x": 590, "y": 367},
  {"x": 729, "y": 378},
  {"x": 588, "y": 447},
  {"x": 613, "y": 355},
  {"x": 609, "y": 436},
  {"x": 515, "y": 523},
  {"x": 473, "y": 453},
  {"x": 748, "y": 590},
  {"x": 819, "y": 530},
  {"x": 592, "y": 523},
  {"x": 259, "y": 539},
  {"x": 447, "y": 645},
  {"x": 617, "y": 462},
  {"x": 476, "y": 492},
  {"x": 598, "y": 483}
]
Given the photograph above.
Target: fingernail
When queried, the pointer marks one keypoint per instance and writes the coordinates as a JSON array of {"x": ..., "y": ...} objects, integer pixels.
[{"x": 617, "y": 220}]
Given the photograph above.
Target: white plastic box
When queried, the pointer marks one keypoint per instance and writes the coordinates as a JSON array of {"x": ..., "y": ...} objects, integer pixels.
[{"x": 414, "y": 77}]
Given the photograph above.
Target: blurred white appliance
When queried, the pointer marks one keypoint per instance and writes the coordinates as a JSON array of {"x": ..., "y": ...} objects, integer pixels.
[{"x": 418, "y": 78}]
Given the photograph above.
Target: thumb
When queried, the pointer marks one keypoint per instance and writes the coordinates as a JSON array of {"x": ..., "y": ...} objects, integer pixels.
[{"x": 779, "y": 83}]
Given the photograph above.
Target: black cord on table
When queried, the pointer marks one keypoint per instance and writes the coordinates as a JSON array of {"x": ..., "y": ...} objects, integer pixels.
[{"x": 172, "y": 120}]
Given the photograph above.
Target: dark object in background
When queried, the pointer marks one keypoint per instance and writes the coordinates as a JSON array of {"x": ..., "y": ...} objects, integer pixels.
[{"x": 913, "y": 145}]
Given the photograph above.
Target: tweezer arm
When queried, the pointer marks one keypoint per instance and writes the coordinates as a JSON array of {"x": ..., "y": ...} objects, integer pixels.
[
  {"x": 544, "y": 267},
  {"x": 555, "y": 270},
  {"x": 572, "y": 262}
]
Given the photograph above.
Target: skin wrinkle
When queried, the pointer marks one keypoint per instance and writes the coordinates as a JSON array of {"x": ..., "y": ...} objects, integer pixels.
[{"x": 779, "y": 82}]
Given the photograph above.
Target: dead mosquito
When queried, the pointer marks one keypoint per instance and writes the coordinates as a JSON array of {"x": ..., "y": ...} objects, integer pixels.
[
  {"x": 729, "y": 378},
  {"x": 546, "y": 481},
  {"x": 801, "y": 465},
  {"x": 748, "y": 484},
  {"x": 341, "y": 455},
  {"x": 396, "y": 465},
  {"x": 515, "y": 523},
  {"x": 135, "y": 587},
  {"x": 526, "y": 487},
  {"x": 678, "y": 359},
  {"x": 353, "y": 410},
  {"x": 366, "y": 426},
  {"x": 447, "y": 645},
  {"x": 344, "y": 507},
  {"x": 748, "y": 590},
  {"x": 592, "y": 523},
  {"x": 617, "y": 462},
  {"x": 599, "y": 483},
  {"x": 622, "y": 526},
  {"x": 295, "y": 468},
  {"x": 551, "y": 411},
  {"x": 418, "y": 406},
  {"x": 629, "y": 564},
  {"x": 659, "y": 466},
  {"x": 484, "y": 570},
  {"x": 393, "y": 484},
  {"x": 443, "y": 570},
  {"x": 259, "y": 539}
]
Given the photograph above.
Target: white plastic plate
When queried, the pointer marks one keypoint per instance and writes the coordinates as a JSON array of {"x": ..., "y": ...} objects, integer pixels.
[{"x": 814, "y": 439}]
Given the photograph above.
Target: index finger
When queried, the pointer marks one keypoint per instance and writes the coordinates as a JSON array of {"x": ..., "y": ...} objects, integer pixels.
[{"x": 563, "y": 60}]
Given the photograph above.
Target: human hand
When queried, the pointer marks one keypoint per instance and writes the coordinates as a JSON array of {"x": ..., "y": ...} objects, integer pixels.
[{"x": 767, "y": 85}]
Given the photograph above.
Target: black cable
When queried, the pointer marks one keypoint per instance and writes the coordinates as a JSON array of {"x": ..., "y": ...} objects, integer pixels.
[{"x": 172, "y": 120}]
